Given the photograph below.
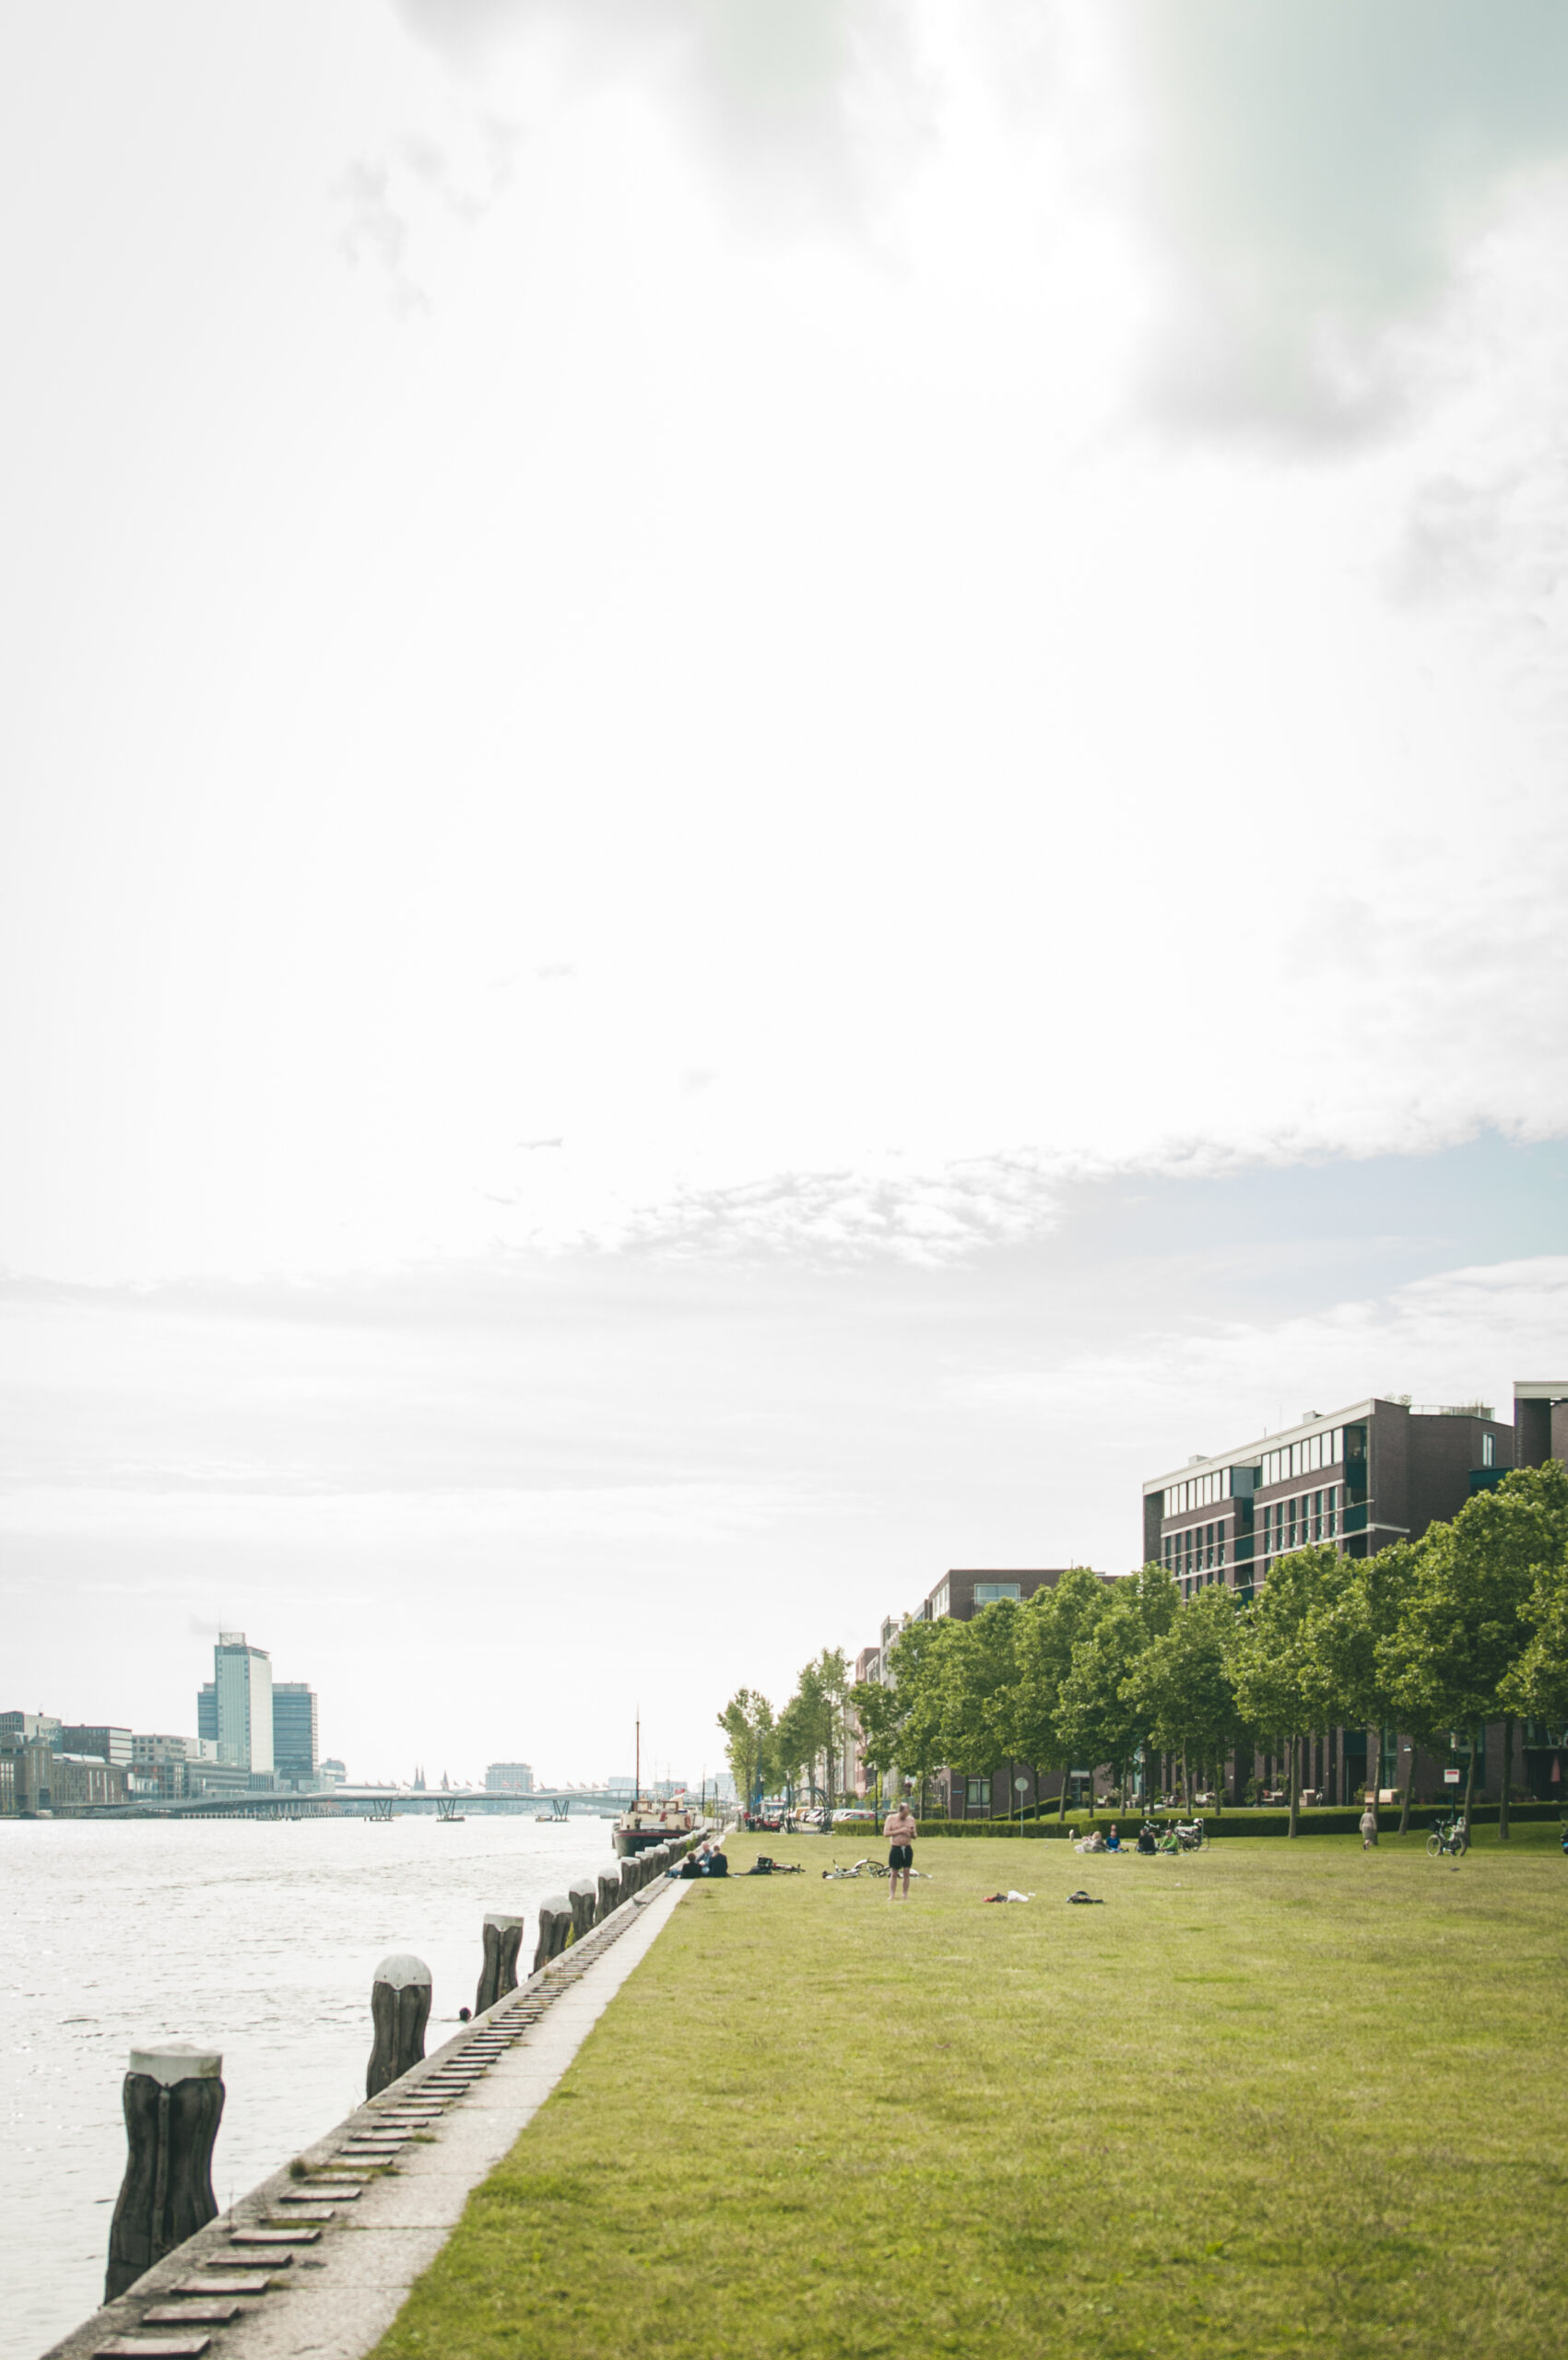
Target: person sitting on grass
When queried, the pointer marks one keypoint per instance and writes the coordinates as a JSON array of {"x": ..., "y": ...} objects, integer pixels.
[
  {"x": 901, "y": 1827},
  {"x": 1145, "y": 1837},
  {"x": 1114, "y": 1840}
]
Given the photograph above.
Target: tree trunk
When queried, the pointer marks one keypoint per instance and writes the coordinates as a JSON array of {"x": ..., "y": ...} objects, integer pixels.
[
  {"x": 1507, "y": 1776},
  {"x": 1471, "y": 1777},
  {"x": 1405, "y": 1795},
  {"x": 1062, "y": 1802},
  {"x": 1294, "y": 1753}
]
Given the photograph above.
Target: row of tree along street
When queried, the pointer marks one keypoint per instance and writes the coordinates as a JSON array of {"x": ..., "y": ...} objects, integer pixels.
[{"x": 1436, "y": 1638}]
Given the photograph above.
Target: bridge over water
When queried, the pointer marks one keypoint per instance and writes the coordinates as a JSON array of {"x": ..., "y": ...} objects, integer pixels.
[{"x": 377, "y": 1802}]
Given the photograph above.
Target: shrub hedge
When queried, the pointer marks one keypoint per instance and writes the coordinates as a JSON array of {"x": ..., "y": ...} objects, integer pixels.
[{"x": 1242, "y": 1820}]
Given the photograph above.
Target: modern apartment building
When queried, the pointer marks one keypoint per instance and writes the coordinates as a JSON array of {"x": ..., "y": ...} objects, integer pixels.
[
  {"x": 1376, "y": 1471},
  {"x": 964, "y": 1594},
  {"x": 296, "y": 1735},
  {"x": 1360, "y": 1478}
]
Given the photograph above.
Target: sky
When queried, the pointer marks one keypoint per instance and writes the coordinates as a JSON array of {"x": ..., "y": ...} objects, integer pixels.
[{"x": 783, "y": 788}]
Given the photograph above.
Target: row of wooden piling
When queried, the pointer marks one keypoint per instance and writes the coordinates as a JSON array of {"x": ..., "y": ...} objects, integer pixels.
[{"x": 174, "y": 2096}]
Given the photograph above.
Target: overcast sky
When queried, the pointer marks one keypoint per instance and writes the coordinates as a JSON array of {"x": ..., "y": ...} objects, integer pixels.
[{"x": 782, "y": 786}]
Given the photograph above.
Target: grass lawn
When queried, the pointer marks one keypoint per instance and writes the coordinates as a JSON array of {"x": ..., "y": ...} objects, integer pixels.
[{"x": 1271, "y": 2098}]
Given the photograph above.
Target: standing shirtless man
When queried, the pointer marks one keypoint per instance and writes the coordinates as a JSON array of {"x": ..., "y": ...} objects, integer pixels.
[{"x": 901, "y": 1828}]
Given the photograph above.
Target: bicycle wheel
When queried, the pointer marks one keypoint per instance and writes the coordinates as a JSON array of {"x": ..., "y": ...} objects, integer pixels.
[
  {"x": 879, "y": 1868},
  {"x": 1461, "y": 1844},
  {"x": 1434, "y": 1847}
]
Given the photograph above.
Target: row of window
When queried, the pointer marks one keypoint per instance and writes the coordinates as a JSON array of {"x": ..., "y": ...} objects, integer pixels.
[
  {"x": 1199, "y": 1491},
  {"x": 1328, "y": 1447},
  {"x": 1304, "y": 1457},
  {"x": 1192, "y": 1551},
  {"x": 1311, "y": 1515}
]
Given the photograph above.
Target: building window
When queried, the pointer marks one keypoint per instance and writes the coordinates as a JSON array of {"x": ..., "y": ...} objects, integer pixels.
[
  {"x": 978, "y": 1793},
  {"x": 1489, "y": 1450},
  {"x": 940, "y": 1604},
  {"x": 987, "y": 1593}
]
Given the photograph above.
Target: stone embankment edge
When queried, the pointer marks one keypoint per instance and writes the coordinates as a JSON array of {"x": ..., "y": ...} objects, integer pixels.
[{"x": 253, "y": 2333}]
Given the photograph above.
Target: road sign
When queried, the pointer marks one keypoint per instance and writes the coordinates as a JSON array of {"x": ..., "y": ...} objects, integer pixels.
[{"x": 1452, "y": 1777}]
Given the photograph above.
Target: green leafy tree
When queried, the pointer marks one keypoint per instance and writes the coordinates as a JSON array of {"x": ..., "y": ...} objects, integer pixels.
[
  {"x": 1537, "y": 1683},
  {"x": 976, "y": 1679},
  {"x": 1349, "y": 1637},
  {"x": 915, "y": 1661},
  {"x": 819, "y": 1706},
  {"x": 1277, "y": 1677},
  {"x": 1181, "y": 1689},
  {"x": 747, "y": 1725},
  {"x": 1101, "y": 1719},
  {"x": 1051, "y": 1624},
  {"x": 877, "y": 1717},
  {"x": 794, "y": 1740},
  {"x": 1464, "y": 1629}
]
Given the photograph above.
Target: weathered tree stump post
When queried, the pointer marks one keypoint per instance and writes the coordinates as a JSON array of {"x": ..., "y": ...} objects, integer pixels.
[
  {"x": 629, "y": 1876},
  {"x": 400, "y": 2007},
  {"x": 503, "y": 1939},
  {"x": 555, "y": 1924},
  {"x": 610, "y": 1891},
  {"x": 584, "y": 1900},
  {"x": 173, "y": 2101}
]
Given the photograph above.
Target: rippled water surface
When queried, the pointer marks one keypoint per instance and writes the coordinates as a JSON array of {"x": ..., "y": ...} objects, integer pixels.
[{"x": 261, "y": 1938}]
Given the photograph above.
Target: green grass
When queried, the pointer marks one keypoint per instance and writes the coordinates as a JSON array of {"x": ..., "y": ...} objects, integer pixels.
[{"x": 1271, "y": 2099}]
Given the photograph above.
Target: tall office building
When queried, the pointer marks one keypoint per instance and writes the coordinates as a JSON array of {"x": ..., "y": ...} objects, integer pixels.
[
  {"x": 238, "y": 1706},
  {"x": 509, "y": 1778},
  {"x": 296, "y": 1737}
]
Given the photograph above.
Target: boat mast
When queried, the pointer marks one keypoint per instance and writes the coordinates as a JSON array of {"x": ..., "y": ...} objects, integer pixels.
[{"x": 638, "y": 1779}]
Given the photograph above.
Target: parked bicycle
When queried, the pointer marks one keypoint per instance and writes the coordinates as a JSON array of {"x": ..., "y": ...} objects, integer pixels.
[
  {"x": 1191, "y": 1835},
  {"x": 1451, "y": 1837}
]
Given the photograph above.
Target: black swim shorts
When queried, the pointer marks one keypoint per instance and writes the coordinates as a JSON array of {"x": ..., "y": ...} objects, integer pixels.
[{"x": 900, "y": 1855}]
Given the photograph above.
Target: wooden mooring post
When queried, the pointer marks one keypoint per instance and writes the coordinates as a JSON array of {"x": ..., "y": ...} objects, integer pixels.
[
  {"x": 503, "y": 1939},
  {"x": 173, "y": 2101},
  {"x": 555, "y": 1930},
  {"x": 400, "y": 2009}
]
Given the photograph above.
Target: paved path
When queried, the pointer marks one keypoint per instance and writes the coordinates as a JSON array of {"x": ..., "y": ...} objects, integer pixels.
[{"x": 414, "y": 2156}]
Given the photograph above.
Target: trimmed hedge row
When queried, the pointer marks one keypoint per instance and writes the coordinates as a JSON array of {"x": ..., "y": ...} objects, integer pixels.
[{"x": 1238, "y": 1821}]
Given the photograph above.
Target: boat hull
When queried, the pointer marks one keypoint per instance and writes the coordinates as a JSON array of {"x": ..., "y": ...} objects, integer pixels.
[{"x": 627, "y": 1840}]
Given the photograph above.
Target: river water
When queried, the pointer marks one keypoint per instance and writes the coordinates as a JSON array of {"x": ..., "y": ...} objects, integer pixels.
[{"x": 261, "y": 1938}]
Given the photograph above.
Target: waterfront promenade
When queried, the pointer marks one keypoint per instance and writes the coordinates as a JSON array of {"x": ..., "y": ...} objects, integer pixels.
[{"x": 1271, "y": 2099}]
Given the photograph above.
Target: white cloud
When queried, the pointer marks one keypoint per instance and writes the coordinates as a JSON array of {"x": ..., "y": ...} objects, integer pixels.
[{"x": 1212, "y": 1384}]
